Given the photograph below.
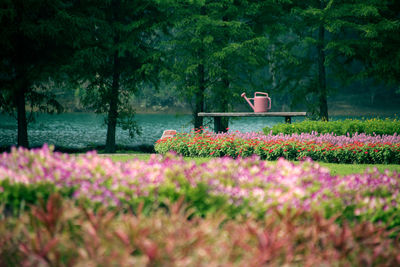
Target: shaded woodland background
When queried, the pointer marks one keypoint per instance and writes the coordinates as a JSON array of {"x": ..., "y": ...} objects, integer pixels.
[
  {"x": 121, "y": 57},
  {"x": 348, "y": 101}
]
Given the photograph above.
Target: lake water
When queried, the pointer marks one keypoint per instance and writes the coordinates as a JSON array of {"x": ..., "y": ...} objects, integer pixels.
[{"x": 79, "y": 130}]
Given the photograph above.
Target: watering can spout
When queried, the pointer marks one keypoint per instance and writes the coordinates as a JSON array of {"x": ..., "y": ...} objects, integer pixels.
[
  {"x": 248, "y": 101},
  {"x": 261, "y": 102}
]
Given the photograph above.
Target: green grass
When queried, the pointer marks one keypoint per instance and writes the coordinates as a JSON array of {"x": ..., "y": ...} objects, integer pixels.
[
  {"x": 126, "y": 157},
  {"x": 344, "y": 169},
  {"x": 335, "y": 169}
]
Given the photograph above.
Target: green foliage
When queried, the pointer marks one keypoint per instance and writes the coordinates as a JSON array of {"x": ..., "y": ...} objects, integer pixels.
[
  {"x": 210, "y": 44},
  {"x": 59, "y": 234},
  {"x": 34, "y": 43},
  {"x": 206, "y": 145},
  {"x": 378, "y": 28},
  {"x": 346, "y": 127},
  {"x": 217, "y": 204},
  {"x": 15, "y": 198},
  {"x": 351, "y": 40},
  {"x": 198, "y": 199},
  {"x": 208, "y": 51},
  {"x": 116, "y": 54}
]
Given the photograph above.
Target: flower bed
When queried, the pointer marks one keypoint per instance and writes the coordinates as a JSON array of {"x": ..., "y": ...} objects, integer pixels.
[
  {"x": 351, "y": 127},
  {"x": 258, "y": 212},
  {"x": 241, "y": 186},
  {"x": 359, "y": 148},
  {"x": 60, "y": 234}
]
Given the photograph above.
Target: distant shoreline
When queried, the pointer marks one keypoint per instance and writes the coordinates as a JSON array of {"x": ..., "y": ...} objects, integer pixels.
[{"x": 348, "y": 111}]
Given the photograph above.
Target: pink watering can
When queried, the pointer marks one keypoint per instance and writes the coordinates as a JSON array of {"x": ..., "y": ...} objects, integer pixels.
[{"x": 261, "y": 103}]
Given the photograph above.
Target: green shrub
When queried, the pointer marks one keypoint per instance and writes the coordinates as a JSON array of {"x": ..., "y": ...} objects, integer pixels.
[
  {"x": 348, "y": 126},
  {"x": 58, "y": 233},
  {"x": 232, "y": 188},
  {"x": 325, "y": 148},
  {"x": 16, "y": 197}
]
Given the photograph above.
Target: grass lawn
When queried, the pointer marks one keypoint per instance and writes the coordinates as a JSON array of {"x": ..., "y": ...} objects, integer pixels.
[
  {"x": 344, "y": 169},
  {"x": 335, "y": 169}
]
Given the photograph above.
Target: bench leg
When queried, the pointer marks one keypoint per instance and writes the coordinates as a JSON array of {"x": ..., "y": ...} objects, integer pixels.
[
  {"x": 217, "y": 124},
  {"x": 220, "y": 124},
  {"x": 288, "y": 119}
]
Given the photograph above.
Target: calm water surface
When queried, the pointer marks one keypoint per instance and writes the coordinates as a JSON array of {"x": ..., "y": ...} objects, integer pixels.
[{"x": 79, "y": 130}]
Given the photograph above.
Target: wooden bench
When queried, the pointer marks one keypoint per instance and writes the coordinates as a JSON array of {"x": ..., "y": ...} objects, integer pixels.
[{"x": 217, "y": 116}]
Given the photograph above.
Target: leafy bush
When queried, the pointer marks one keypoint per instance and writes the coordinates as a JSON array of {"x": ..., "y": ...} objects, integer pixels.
[
  {"x": 250, "y": 186},
  {"x": 345, "y": 127},
  {"x": 359, "y": 148},
  {"x": 58, "y": 233},
  {"x": 17, "y": 196}
]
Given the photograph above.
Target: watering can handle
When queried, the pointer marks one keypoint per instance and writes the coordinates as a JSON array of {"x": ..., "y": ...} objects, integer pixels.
[{"x": 261, "y": 93}]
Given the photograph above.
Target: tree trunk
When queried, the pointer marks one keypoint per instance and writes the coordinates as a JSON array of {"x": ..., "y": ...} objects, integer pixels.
[
  {"x": 199, "y": 97},
  {"x": 21, "y": 117},
  {"x": 113, "y": 111},
  {"x": 272, "y": 68},
  {"x": 223, "y": 95},
  {"x": 323, "y": 102},
  {"x": 22, "y": 81},
  {"x": 223, "y": 103}
]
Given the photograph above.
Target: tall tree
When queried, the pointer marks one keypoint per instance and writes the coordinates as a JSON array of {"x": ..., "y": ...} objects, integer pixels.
[
  {"x": 205, "y": 38},
  {"x": 31, "y": 49},
  {"x": 186, "y": 53},
  {"x": 116, "y": 54},
  {"x": 309, "y": 20},
  {"x": 333, "y": 34},
  {"x": 377, "y": 27},
  {"x": 276, "y": 59}
]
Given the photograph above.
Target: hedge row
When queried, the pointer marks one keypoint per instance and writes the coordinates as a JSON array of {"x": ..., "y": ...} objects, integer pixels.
[
  {"x": 325, "y": 148},
  {"x": 232, "y": 187},
  {"x": 260, "y": 213},
  {"x": 345, "y": 127},
  {"x": 57, "y": 233}
]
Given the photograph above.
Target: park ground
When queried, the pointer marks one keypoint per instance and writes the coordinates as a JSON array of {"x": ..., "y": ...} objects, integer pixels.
[{"x": 334, "y": 168}]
